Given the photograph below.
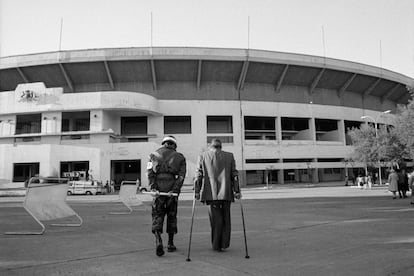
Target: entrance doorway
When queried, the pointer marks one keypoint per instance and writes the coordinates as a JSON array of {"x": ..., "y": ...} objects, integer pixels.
[
  {"x": 289, "y": 175},
  {"x": 125, "y": 170},
  {"x": 72, "y": 166},
  {"x": 24, "y": 171}
]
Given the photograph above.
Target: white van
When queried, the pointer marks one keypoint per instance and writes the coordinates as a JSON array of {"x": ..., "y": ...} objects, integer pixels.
[
  {"x": 85, "y": 187},
  {"x": 78, "y": 185}
]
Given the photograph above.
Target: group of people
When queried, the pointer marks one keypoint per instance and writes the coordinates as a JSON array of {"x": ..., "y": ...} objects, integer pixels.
[
  {"x": 216, "y": 184},
  {"x": 401, "y": 182},
  {"x": 109, "y": 186},
  {"x": 364, "y": 181}
]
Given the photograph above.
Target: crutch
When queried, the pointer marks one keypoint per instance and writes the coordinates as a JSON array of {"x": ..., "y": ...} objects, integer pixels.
[
  {"x": 160, "y": 193},
  {"x": 191, "y": 229},
  {"x": 244, "y": 230}
]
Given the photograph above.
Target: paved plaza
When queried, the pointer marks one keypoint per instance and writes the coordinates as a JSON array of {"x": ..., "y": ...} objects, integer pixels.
[{"x": 290, "y": 231}]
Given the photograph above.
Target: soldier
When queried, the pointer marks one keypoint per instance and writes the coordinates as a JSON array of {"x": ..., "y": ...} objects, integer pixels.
[
  {"x": 166, "y": 172},
  {"x": 217, "y": 181}
]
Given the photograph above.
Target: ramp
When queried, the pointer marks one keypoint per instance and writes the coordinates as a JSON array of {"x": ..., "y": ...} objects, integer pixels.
[{"x": 45, "y": 200}]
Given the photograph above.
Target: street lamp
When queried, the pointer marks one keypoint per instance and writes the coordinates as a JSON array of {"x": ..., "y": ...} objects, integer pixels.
[{"x": 376, "y": 137}]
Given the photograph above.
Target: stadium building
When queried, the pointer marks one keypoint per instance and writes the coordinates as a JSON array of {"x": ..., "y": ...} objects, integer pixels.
[{"x": 284, "y": 116}]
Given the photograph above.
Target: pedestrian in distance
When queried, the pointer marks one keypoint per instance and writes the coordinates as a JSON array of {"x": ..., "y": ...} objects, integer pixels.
[
  {"x": 406, "y": 187},
  {"x": 402, "y": 183},
  {"x": 360, "y": 181},
  {"x": 393, "y": 183},
  {"x": 411, "y": 185},
  {"x": 112, "y": 187},
  {"x": 369, "y": 180},
  {"x": 166, "y": 171},
  {"x": 107, "y": 187},
  {"x": 216, "y": 185}
]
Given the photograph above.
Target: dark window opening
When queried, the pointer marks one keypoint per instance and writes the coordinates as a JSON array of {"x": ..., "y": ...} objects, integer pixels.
[
  {"x": 177, "y": 124},
  {"x": 259, "y": 128},
  {"x": 298, "y": 160},
  {"x": 74, "y": 166},
  {"x": 134, "y": 125},
  {"x": 28, "y": 123},
  {"x": 75, "y": 121},
  {"x": 332, "y": 171},
  {"x": 295, "y": 124},
  {"x": 295, "y": 129},
  {"x": 261, "y": 177},
  {"x": 330, "y": 160},
  {"x": 289, "y": 176},
  {"x": 219, "y": 124},
  {"x": 326, "y": 130},
  {"x": 24, "y": 171},
  {"x": 326, "y": 125},
  {"x": 125, "y": 170},
  {"x": 259, "y": 161}
]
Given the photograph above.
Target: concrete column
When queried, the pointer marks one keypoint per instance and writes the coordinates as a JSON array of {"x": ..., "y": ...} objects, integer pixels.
[
  {"x": 7, "y": 125},
  {"x": 315, "y": 173},
  {"x": 297, "y": 176},
  {"x": 312, "y": 129},
  {"x": 96, "y": 120},
  {"x": 51, "y": 122},
  {"x": 279, "y": 129},
  {"x": 341, "y": 130},
  {"x": 2, "y": 124},
  {"x": 44, "y": 124},
  {"x": 280, "y": 176},
  {"x": 242, "y": 178}
]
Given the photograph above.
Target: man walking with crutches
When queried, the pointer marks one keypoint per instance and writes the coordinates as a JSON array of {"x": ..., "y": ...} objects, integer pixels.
[
  {"x": 217, "y": 184},
  {"x": 166, "y": 171}
]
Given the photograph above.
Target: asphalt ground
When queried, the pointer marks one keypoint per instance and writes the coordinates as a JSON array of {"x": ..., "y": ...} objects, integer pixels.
[{"x": 290, "y": 231}]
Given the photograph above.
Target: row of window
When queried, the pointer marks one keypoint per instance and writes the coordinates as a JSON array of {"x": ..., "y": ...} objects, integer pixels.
[
  {"x": 256, "y": 128},
  {"x": 130, "y": 170}
]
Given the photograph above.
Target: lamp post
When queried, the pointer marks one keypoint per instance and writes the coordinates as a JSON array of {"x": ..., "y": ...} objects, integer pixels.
[{"x": 376, "y": 137}]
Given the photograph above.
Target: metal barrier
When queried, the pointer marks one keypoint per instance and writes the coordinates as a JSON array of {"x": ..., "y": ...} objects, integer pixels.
[
  {"x": 128, "y": 196},
  {"x": 46, "y": 200}
]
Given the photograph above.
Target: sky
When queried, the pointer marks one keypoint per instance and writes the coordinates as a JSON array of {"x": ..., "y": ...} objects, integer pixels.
[{"x": 374, "y": 32}]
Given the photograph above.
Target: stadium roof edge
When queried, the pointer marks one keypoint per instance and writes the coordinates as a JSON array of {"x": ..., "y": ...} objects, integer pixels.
[{"x": 198, "y": 53}]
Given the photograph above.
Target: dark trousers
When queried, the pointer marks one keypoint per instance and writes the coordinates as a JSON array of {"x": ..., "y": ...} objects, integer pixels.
[
  {"x": 402, "y": 190},
  {"x": 164, "y": 206},
  {"x": 220, "y": 221}
]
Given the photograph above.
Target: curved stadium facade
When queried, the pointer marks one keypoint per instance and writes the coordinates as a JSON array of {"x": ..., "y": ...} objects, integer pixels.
[{"x": 284, "y": 116}]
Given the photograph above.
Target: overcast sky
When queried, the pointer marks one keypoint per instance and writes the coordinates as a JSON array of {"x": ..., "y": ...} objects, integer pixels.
[{"x": 374, "y": 32}]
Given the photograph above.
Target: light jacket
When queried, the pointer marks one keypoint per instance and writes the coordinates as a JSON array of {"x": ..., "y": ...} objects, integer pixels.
[{"x": 216, "y": 176}]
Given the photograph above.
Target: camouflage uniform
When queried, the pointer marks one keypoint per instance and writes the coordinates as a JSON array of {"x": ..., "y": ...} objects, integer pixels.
[{"x": 166, "y": 171}]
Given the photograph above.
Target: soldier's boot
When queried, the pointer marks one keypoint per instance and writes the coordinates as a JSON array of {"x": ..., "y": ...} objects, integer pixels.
[
  {"x": 159, "y": 248},
  {"x": 171, "y": 247}
]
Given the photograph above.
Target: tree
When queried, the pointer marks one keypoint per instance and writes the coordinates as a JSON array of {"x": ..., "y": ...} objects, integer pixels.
[
  {"x": 391, "y": 147},
  {"x": 404, "y": 125},
  {"x": 365, "y": 144},
  {"x": 371, "y": 148}
]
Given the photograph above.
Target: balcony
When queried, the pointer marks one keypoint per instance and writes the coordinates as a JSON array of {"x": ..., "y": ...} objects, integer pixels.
[{"x": 130, "y": 138}]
